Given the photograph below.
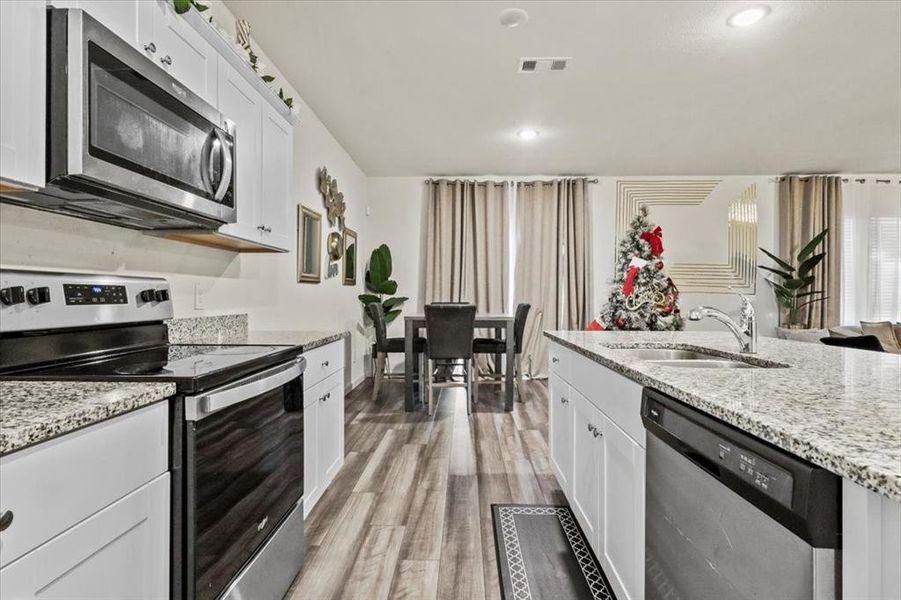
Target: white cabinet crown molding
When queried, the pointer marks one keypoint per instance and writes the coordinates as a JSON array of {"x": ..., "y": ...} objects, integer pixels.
[{"x": 230, "y": 53}]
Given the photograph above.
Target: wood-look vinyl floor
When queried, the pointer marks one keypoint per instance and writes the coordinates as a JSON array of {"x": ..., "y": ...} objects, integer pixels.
[{"x": 409, "y": 514}]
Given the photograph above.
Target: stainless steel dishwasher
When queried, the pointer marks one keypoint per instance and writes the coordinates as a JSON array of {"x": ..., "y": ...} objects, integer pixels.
[{"x": 730, "y": 517}]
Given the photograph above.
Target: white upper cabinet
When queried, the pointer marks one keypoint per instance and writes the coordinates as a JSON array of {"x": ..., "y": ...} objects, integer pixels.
[
  {"x": 276, "y": 158},
  {"x": 23, "y": 69},
  {"x": 119, "y": 16},
  {"x": 240, "y": 103},
  {"x": 167, "y": 39}
]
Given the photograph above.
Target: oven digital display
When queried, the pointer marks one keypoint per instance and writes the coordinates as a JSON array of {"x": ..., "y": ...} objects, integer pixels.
[{"x": 76, "y": 293}]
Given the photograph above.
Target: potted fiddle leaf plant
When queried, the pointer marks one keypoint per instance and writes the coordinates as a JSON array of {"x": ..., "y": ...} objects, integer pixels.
[
  {"x": 379, "y": 284},
  {"x": 791, "y": 280}
]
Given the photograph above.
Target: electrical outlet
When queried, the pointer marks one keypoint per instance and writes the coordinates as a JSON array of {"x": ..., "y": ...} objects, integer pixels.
[{"x": 199, "y": 297}]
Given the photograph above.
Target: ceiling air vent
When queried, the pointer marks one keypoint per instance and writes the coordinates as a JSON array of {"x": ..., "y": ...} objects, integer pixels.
[{"x": 534, "y": 65}]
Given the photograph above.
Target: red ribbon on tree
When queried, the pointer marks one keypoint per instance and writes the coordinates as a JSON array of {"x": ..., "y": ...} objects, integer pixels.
[{"x": 655, "y": 239}]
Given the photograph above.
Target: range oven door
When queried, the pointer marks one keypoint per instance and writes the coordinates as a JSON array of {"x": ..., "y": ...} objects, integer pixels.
[
  {"x": 120, "y": 123},
  {"x": 243, "y": 474}
]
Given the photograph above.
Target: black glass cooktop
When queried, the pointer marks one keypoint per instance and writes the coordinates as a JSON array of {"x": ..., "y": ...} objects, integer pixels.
[{"x": 191, "y": 367}]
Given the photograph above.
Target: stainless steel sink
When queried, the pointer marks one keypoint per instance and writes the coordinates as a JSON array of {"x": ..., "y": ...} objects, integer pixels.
[
  {"x": 669, "y": 356},
  {"x": 673, "y": 354},
  {"x": 705, "y": 363},
  {"x": 692, "y": 359}
]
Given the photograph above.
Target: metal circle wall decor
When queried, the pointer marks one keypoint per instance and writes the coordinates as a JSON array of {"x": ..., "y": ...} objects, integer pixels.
[
  {"x": 333, "y": 199},
  {"x": 335, "y": 246}
]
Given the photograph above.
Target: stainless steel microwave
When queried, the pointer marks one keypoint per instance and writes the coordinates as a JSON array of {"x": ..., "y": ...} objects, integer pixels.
[{"x": 127, "y": 144}]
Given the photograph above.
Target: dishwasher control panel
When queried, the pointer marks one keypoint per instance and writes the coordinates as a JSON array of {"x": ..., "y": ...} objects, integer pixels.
[
  {"x": 714, "y": 452},
  {"x": 768, "y": 478}
]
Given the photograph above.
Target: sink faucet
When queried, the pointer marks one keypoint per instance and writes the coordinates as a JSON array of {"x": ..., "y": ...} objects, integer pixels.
[{"x": 745, "y": 330}]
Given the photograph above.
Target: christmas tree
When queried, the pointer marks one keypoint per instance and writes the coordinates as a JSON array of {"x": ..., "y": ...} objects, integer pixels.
[{"x": 643, "y": 297}]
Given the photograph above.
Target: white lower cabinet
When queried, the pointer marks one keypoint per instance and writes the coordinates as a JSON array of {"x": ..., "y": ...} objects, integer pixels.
[
  {"x": 601, "y": 467},
  {"x": 323, "y": 421},
  {"x": 560, "y": 435},
  {"x": 585, "y": 499},
  {"x": 120, "y": 553},
  {"x": 621, "y": 540}
]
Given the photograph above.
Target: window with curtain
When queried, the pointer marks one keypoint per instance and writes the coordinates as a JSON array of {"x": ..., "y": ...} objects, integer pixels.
[
  {"x": 871, "y": 252},
  {"x": 497, "y": 244}
]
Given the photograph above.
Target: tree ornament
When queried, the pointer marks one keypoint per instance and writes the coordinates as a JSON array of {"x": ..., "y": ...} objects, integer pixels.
[{"x": 659, "y": 265}]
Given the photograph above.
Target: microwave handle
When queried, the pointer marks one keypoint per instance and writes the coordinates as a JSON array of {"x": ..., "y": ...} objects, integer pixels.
[
  {"x": 227, "y": 165},
  {"x": 198, "y": 407},
  {"x": 206, "y": 164}
]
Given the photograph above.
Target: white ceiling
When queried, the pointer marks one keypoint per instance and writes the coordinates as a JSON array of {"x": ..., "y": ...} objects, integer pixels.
[{"x": 653, "y": 88}]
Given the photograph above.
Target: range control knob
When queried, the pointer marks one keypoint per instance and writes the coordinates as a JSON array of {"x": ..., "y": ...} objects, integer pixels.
[
  {"x": 39, "y": 295},
  {"x": 146, "y": 295},
  {"x": 12, "y": 295},
  {"x": 161, "y": 295}
]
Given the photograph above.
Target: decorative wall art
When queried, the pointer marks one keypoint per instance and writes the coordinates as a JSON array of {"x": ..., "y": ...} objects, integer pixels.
[
  {"x": 350, "y": 256},
  {"x": 720, "y": 264},
  {"x": 334, "y": 246},
  {"x": 333, "y": 199},
  {"x": 309, "y": 239}
]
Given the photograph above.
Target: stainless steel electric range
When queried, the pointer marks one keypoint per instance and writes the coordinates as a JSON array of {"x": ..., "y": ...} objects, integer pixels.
[{"x": 236, "y": 446}]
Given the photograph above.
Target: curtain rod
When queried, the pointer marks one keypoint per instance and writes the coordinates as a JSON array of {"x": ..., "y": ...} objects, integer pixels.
[
  {"x": 844, "y": 179},
  {"x": 430, "y": 180}
]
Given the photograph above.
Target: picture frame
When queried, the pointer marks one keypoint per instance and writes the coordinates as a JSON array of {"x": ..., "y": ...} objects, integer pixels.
[
  {"x": 309, "y": 245},
  {"x": 349, "y": 270}
]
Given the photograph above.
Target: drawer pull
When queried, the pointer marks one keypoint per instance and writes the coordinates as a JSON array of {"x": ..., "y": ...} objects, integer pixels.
[
  {"x": 326, "y": 397},
  {"x": 591, "y": 428},
  {"x": 563, "y": 400},
  {"x": 6, "y": 519},
  {"x": 555, "y": 360},
  {"x": 151, "y": 47},
  {"x": 325, "y": 363},
  {"x": 597, "y": 432},
  {"x": 166, "y": 60}
]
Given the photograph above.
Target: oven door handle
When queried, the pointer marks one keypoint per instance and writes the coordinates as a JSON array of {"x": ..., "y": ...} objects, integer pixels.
[{"x": 198, "y": 407}]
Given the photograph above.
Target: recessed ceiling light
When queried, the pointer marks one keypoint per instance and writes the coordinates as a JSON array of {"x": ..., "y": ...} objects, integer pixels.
[
  {"x": 748, "y": 16},
  {"x": 513, "y": 17},
  {"x": 527, "y": 134}
]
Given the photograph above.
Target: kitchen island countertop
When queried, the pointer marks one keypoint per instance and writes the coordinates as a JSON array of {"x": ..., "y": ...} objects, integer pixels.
[{"x": 837, "y": 408}]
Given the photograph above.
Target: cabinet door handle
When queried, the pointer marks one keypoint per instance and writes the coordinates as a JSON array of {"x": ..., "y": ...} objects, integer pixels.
[
  {"x": 151, "y": 47},
  {"x": 555, "y": 360},
  {"x": 325, "y": 363},
  {"x": 6, "y": 519},
  {"x": 597, "y": 432},
  {"x": 166, "y": 60},
  {"x": 326, "y": 397},
  {"x": 591, "y": 428},
  {"x": 563, "y": 400}
]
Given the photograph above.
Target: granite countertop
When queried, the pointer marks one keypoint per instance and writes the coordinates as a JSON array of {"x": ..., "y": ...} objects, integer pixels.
[
  {"x": 35, "y": 411},
  {"x": 233, "y": 329},
  {"x": 837, "y": 408}
]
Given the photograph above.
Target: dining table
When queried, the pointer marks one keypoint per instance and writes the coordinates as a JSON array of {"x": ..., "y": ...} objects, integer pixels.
[{"x": 502, "y": 324}]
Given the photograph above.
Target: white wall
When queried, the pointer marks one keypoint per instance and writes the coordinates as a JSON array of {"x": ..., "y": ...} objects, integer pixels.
[
  {"x": 263, "y": 285},
  {"x": 398, "y": 217}
]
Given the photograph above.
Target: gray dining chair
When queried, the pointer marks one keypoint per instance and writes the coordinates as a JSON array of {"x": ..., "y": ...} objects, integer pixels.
[
  {"x": 496, "y": 346},
  {"x": 385, "y": 345},
  {"x": 449, "y": 334}
]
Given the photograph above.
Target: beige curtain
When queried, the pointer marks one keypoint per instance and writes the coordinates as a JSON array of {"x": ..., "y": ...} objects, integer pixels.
[
  {"x": 807, "y": 205},
  {"x": 467, "y": 248},
  {"x": 553, "y": 262}
]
